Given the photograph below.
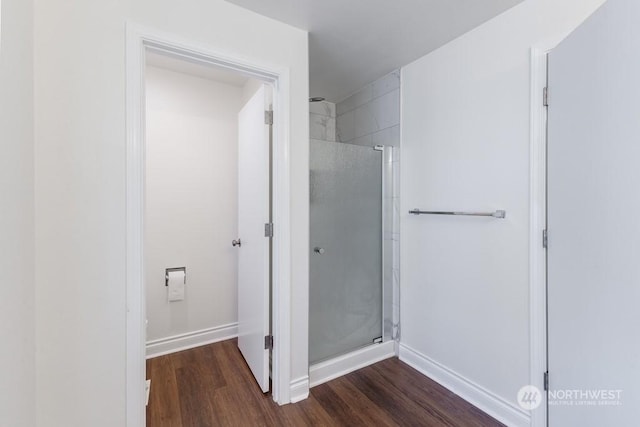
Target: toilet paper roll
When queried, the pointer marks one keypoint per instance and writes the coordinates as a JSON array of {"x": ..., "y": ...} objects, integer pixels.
[{"x": 176, "y": 285}]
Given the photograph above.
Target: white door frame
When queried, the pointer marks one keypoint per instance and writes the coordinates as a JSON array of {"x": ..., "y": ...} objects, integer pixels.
[
  {"x": 138, "y": 41},
  {"x": 538, "y": 223}
]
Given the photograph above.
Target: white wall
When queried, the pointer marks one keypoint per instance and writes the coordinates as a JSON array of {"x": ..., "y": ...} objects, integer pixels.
[
  {"x": 80, "y": 187},
  {"x": 191, "y": 201},
  {"x": 17, "y": 316},
  {"x": 465, "y": 146}
]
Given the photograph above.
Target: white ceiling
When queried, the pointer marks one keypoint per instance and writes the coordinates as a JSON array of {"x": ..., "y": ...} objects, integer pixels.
[
  {"x": 354, "y": 42},
  {"x": 185, "y": 66}
]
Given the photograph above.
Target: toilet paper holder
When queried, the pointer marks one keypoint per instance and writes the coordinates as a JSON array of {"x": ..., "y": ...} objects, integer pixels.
[{"x": 169, "y": 270}]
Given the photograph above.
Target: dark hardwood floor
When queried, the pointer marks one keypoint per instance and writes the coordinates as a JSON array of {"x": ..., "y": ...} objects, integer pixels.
[{"x": 212, "y": 386}]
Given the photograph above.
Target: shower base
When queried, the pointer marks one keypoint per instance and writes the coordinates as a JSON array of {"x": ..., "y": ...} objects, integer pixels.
[{"x": 338, "y": 366}]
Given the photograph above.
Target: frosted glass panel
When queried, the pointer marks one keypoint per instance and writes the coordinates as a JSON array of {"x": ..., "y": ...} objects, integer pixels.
[{"x": 345, "y": 296}]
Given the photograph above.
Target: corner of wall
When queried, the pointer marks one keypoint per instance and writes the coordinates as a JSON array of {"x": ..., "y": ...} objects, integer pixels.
[{"x": 473, "y": 393}]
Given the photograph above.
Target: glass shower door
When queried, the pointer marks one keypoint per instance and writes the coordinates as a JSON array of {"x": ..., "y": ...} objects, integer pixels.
[{"x": 345, "y": 295}]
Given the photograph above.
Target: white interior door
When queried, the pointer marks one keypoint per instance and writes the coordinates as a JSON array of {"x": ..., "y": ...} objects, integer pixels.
[
  {"x": 253, "y": 259},
  {"x": 593, "y": 222}
]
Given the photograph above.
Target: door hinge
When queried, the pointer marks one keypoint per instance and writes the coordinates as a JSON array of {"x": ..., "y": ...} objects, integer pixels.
[
  {"x": 546, "y": 381},
  {"x": 545, "y": 239},
  {"x": 268, "y": 342},
  {"x": 545, "y": 96},
  {"x": 268, "y": 229},
  {"x": 268, "y": 117}
]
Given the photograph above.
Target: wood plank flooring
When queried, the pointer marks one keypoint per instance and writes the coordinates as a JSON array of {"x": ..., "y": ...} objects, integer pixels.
[{"x": 212, "y": 386}]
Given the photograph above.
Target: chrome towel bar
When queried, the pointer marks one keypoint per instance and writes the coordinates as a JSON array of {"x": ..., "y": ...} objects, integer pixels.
[{"x": 497, "y": 214}]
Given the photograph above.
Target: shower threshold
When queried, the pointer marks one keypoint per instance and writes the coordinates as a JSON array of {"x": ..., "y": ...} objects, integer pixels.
[{"x": 328, "y": 370}]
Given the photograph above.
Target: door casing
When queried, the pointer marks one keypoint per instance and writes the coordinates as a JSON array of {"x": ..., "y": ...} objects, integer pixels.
[
  {"x": 139, "y": 40},
  {"x": 537, "y": 224}
]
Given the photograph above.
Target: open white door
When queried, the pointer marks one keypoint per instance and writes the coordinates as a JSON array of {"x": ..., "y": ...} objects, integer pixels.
[
  {"x": 593, "y": 222},
  {"x": 254, "y": 246}
]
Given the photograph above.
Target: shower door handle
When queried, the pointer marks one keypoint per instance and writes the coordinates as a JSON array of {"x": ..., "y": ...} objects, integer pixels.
[
  {"x": 318, "y": 250},
  {"x": 235, "y": 243}
]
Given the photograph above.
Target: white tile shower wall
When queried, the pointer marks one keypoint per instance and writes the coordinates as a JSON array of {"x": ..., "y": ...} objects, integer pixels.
[
  {"x": 387, "y": 244},
  {"x": 371, "y": 117},
  {"x": 322, "y": 121},
  {"x": 395, "y": 268}
]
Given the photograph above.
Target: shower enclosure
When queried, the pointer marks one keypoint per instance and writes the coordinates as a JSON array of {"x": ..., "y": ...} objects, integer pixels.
[{"x": 349, "y": 306}]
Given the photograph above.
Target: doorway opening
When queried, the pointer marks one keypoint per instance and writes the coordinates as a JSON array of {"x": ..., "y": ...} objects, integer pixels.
[{"x": 205, "y": 188}]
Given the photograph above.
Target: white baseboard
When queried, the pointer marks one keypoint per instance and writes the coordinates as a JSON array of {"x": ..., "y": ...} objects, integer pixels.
[
  {"x": 483, "y": 399},
  {"x": 342, "y": 365},
  {"x": 299, "y": 389},
  {"x": 189, "y": 340}
]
